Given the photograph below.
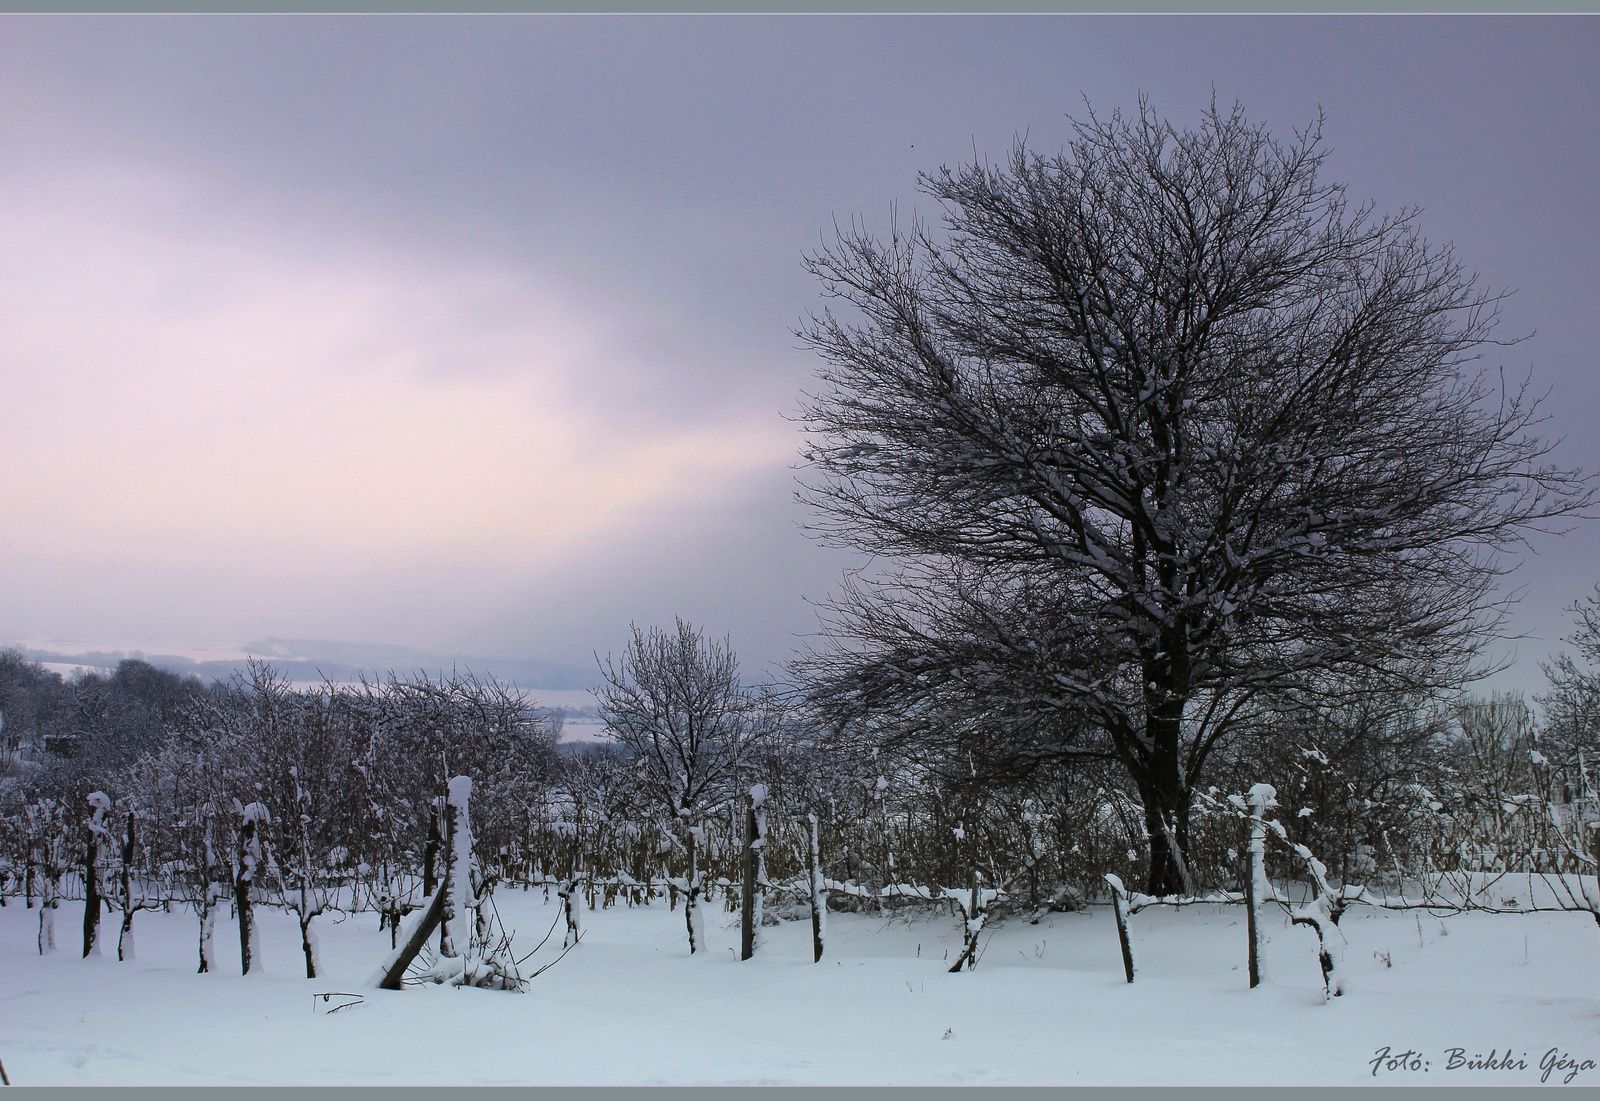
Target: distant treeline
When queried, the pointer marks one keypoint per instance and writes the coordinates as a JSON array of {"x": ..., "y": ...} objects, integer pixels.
[{"x": 304, "y": 660}]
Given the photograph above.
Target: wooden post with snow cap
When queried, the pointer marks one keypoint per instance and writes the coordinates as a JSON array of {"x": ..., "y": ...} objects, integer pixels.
[
  {"x": 457, "y": 934},
  {"x": 250, "y": 863},
  {"x": 94, "y": 830},
  {"x": 819, "y": 901},
  {"x": 1119, "y": 904},
  {"x": 750, "y": 900},
  {"x": 747, "y": 897},
  {"x": 1258, "y": 888}
]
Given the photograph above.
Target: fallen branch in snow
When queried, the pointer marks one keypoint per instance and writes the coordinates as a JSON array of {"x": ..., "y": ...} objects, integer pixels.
[
  {"x": 391, "y": 974},
  {"x": 327, "y": 995}
]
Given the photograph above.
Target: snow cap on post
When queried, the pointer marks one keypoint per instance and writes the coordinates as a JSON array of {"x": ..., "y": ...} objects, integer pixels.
[
  {"x": 99, "y": 800},
  {"x": 1263, "y": 796},
  {"x": 758, "y": 794},
  {"x": 457, "y": 939},
  {"x": 256, "y": 812}
]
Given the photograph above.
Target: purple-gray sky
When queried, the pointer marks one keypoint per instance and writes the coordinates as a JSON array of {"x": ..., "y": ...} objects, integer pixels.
[{"x": 472, "y": 334}]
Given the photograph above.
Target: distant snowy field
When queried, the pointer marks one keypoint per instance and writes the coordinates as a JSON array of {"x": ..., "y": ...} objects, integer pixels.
[
  {"x": 582, "y": 722},
  {"x": 1046, "y": 1005}
]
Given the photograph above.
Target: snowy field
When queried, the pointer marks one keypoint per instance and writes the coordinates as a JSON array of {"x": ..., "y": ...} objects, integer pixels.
[{"x": 1046, "y": 1005}]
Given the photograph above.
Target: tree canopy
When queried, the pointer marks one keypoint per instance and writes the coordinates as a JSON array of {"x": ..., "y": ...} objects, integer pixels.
[{"x": 1155, "y": 425}]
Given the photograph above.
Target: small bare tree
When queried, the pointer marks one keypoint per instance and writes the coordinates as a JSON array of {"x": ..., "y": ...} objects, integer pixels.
[
  {"x": 309, "y": 896},
  {"x": 185, "y": 789},
  {"x": 250, "y": 862},
  {"x": 1572, "y": 706},
  {"x": 674, "y": 701},
  {"x": 94, "y": 834},
  {"x": 47, "y": 837},
  {"x": 130, "y": 894}
]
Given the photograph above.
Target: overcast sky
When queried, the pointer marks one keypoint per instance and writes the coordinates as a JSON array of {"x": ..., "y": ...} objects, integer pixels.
[{"x": 473, "y": 334}]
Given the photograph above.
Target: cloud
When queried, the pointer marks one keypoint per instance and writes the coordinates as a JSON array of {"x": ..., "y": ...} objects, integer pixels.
[{"x": 190, "y": 390}]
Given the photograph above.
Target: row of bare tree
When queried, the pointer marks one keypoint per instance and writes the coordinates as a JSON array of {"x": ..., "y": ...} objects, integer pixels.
[{"x": 330, "y": 797}]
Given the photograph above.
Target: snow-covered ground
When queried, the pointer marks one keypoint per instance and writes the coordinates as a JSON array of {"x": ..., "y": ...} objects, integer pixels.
[{"x": 1046, "y": 1005}]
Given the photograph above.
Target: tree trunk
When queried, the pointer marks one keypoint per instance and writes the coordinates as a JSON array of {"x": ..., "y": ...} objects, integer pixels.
[
  {"x": 974, "y": 924},
  {"x": 1157, "y": 770},
  {"x": 241, "y": 901},
  {"x": 691, "y": 901},
  {"x": 571, "y": 912},
  {"x": 125, "y": 935},
  {"x": 308, "y": 908},
  {"x": 47, "y": 912},
  {"x": 243, "y": 881},
  {"x": 1321, "y": 914},
  {"x": 91, "y": 896},
  {"x": 208, "y": 903},
  {"x": 397, "y": 912},
  {"x": 1166, "y": 818},
  {"x": 308, "y": 945}
]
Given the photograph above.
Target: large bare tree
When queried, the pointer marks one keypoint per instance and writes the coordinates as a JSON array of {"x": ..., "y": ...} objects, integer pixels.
[{"x": 1153, "y": 425}]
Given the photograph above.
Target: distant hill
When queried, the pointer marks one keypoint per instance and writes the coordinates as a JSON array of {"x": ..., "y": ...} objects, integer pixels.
[{"x": 315, "y": 659}]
